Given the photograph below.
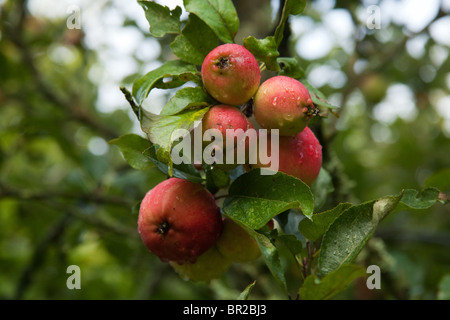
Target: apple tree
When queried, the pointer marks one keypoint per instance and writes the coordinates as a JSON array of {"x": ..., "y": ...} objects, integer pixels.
[{"x": 315, "y": 233}]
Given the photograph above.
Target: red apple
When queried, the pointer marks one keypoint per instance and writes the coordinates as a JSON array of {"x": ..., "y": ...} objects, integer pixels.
[
  {"x": 179, "y": 220},
  {"x": 299, "y": 156},
  {"x": 228, "y": 118},
  {"x": 231, "y": 74},
  {"x": 283, "y": 103}
]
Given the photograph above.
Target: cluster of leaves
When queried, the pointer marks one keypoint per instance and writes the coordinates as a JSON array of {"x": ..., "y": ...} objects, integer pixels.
[
  {"x": 209, "y": 23},
  {"x": 323, "y": 244}
]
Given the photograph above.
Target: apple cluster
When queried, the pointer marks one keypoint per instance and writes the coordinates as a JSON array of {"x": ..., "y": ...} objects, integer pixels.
[
  {"x": 179, "y": 220},
  {"x": 231, "y": 75}
]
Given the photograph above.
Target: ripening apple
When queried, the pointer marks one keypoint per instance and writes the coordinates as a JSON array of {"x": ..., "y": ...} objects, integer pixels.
[
  {"x": 179, "y": 220},
  {"x": 208, "y": 266},
  {"x": 283, "y": 103},
  {"x": 299, "y": 156},
  {"x": 236, "y": 244},
  {"x": 227, "y": 120},
  {"x": 231, "y": 74},
  {"x": 374, "y": 87}
]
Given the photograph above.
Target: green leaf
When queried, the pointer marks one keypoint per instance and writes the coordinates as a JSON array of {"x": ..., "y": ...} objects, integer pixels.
[
  {"x": 291, "y": 242},
  {"x": 315, "y": 228},
  {"x": 415, "y": 200},
  {"x": 162, "y": 20},
  {"x": 186, "y": 98},
  {"x": 134, "y": 148},
  {"x": 160, "y": 129},
  {"x": 264, "y": 50},
  {"x": 317, "y": 96},
  {"x": 315, "y": 288},
  {"x": 271, "y": 258},
  {"x": 141, "y": 154},
  {"x": 183, "y": 171},
  {"x": 289, "y": 67},
  {"x": 291, "y": 7},
  {"x": 269, "y": 253},
  {"x": 176, "y": 72},
  {"x": 219, "y": 15},
  {"x": 254, "y": 198},
  {"x": 321, "y": 188},
  {"x": 351, "y": 230},
  {"x": 195, "y": 41},
  {"x": 244, "y": 294},
  {"x": 216, "y": 178}
]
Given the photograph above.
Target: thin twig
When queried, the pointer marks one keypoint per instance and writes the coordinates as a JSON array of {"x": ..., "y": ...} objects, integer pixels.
[
  {"x": 130, "y": 100},
  {"x": 6, "y": 192},
  {"x": 95, "y": 221}
]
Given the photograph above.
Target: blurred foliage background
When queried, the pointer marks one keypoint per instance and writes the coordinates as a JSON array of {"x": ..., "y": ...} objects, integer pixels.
[{"x": 68, "y": 197}]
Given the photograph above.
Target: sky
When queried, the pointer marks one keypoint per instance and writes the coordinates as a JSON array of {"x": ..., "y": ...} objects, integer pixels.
[{"x": 116, "y": 46}]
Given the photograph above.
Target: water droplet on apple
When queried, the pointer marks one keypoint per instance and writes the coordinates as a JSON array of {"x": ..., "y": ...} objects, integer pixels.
[
  {"x": 289, "y": 90},
  {"x": 274, "y": 103},
  {"x": 300, "y": 157}
]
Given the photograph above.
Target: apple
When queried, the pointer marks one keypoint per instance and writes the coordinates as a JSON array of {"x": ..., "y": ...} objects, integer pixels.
[
  {"x": 210, "y": 265},
  {"x": 231, "y": 74},
  {"x": 225, "y": 118},
  {"x": 179, "y": 220},
  {"x": 299, "y": 156},
  {"x": 374, "y": 87},
  {"x": 236, "y": 244},
  {"x": 283, "y": 103}
]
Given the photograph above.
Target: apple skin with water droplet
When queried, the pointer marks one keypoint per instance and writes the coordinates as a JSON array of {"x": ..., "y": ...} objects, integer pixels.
[
  {"x": 179, "y": 220},
  {"x": 283, "y": 103},
  {"x": 231, "y": 74},
  {"x": 299, "y": 156},
  {"x": 223, "y": 118}
]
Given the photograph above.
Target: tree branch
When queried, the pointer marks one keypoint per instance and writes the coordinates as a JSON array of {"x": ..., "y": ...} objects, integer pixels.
[
  {"x": 387, "y": 58},
  {"x": 6, "y": 192},
  {"x": 15, "y": 35},
  {"x": 53, "y": 234},
  {"x": 51, "y": 200}
]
